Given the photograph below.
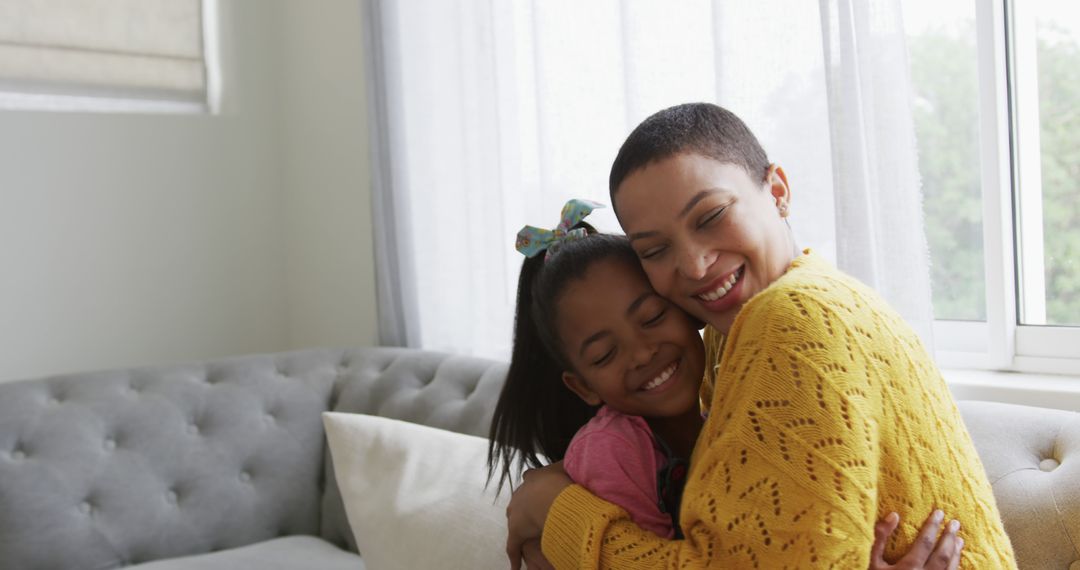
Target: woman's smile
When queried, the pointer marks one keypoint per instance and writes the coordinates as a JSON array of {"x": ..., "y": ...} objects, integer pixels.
[
  {"x": 709, "y": 235},
  {"x": 723, "y": 293}
]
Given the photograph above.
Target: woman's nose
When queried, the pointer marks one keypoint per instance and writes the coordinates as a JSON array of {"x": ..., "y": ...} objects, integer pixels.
[{"x": 694, "y": 265}]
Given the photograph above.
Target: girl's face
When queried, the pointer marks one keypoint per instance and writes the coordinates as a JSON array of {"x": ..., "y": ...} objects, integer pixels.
[
  {"x": 708, "y": 235},
  {"x": 628, "y": 346}
]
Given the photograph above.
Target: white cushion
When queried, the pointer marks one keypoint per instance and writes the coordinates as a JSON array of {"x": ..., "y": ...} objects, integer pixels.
[
  {"x": 285, "y": 553},
  {"x": 414, "y": 495}
]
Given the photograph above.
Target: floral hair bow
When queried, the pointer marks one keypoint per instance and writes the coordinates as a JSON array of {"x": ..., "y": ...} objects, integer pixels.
[{"x": 531, "y": 240}]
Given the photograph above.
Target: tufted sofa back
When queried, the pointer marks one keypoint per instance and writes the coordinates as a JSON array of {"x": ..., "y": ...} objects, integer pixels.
[
  {"x": 100, "y": 470},
  {"x": 456, "y": 393},
  {"x": 1030, "y": 455}
]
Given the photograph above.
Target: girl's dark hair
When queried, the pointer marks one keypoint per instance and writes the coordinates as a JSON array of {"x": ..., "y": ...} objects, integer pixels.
[
  {"x": 536, "y": 414},
  {"x": 702, "y": 128}
]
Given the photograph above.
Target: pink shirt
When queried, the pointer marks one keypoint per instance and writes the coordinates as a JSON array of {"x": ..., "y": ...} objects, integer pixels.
[{"x": 614, "y": 456}]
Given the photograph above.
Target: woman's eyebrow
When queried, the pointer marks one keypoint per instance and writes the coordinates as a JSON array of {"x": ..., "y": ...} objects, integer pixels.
[
  {"x": 640, "y": 235},
  {"x": 686, "y": 210},
  {"x": 693, "y": 201}
]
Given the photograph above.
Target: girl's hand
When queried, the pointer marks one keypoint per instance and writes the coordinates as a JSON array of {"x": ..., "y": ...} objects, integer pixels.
[
  {"x": 534, "y": 557},
  {"x": 529, "y": 506},
  {"x": 929, "y": 552}
]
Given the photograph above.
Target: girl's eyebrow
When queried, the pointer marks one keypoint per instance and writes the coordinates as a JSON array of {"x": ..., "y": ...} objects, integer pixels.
[
  {"x": 637, "y": 302},
  {"x": 629, "y": 311},
  {"x": 593, "y": 338}
]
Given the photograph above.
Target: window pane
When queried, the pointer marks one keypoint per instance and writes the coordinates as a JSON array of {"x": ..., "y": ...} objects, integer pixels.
[
  {"x": 1058, "y": 52},
  {"x": 941, "y": 43}
]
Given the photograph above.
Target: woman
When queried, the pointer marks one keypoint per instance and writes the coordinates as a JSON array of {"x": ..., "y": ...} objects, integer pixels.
[{"x": 825, "y": 412}]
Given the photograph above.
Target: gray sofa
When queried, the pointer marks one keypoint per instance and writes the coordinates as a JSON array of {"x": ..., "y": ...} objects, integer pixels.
[
  {"x": 219, "y": 465},
  {"x": 224, "y": 465}
]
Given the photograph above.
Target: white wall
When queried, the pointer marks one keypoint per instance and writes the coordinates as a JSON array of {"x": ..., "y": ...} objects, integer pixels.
[
  {"x": 143, "y": 239},
  {"x": 331, "y": 282}
]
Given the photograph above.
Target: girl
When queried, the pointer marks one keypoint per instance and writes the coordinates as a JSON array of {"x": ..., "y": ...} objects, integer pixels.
[
  {"x": 629, "y": 366},
  {"x": 592, "y": 333}
]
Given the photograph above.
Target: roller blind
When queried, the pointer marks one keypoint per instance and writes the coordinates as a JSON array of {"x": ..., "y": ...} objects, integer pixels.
[{"x": 129, "y": 48}]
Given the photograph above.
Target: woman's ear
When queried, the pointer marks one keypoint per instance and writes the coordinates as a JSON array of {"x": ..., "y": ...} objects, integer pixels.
[
  {"x": 777, "y": 181},
  {"x": 578, "y": 386}
]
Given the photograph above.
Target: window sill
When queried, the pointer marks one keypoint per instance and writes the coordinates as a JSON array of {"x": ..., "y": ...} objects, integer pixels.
[
  {"x": 1042, "y": 390},
  {"x": 12, "y": 101}
]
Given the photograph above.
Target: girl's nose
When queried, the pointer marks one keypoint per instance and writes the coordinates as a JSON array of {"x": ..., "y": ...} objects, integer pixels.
[{"x": 645, "y": 352}]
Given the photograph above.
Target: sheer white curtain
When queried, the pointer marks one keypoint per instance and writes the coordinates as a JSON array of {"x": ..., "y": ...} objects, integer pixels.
[
  {"x": 491, "y": 114},
  {"x": 879, "y": 217}
]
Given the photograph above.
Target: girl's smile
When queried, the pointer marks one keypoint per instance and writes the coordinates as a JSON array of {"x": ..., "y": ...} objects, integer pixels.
[
  {"x": 628, "y": 347},
  {"x": 657, "y": 384}
]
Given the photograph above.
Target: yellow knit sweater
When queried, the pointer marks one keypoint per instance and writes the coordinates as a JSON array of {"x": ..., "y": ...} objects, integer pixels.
[{"x": 826, "y": 414}]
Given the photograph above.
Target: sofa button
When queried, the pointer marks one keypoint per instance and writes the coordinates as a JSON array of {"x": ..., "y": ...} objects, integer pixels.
[
  {"x": 18, "y": 455},
  {"x": 193, "y": 429},
  {"x": 85, "y": 508},
  {"x": 171, "y": 497},
  {"x": 110, "y": 444},
  {"x": 245, "y": 476},
  {"x": 1049, "y": 464}
]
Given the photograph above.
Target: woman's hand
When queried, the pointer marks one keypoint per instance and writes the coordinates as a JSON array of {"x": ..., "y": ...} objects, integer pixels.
[
  {"x": 529, "y": 506},
  {"x": 928, "y": 552}
]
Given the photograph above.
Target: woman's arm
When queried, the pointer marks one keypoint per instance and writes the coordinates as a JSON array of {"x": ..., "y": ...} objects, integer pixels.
[
  {"x": 789, "y": 463},
  {"x": 786, "y": 468},
  {"x": 930, "y": 551}
]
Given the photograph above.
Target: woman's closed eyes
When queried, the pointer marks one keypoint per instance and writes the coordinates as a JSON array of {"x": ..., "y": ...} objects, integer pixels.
[{"x": 704, "y": 222}]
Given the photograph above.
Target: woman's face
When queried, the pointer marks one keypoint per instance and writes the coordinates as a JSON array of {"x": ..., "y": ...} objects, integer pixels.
[
  {"x": 629, "y": 347},
  {"x": 708, "y": 235}
]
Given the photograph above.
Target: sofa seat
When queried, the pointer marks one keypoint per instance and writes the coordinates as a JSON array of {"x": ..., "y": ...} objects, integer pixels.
[{"x": 286, "y": 553}]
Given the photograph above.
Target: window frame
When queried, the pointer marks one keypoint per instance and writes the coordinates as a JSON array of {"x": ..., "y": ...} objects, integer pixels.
[{"x": 1009, "y": 160}]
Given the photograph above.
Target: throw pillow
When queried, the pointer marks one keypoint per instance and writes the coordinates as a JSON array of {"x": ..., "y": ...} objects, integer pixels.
[{"x": 415, "y": 495}]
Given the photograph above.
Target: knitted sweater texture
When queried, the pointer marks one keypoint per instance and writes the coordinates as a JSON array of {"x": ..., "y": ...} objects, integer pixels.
[{"x": 826, "y": 413}]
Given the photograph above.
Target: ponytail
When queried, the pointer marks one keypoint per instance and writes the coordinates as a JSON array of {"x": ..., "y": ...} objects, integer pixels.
[{"x": 536, "y": 415}]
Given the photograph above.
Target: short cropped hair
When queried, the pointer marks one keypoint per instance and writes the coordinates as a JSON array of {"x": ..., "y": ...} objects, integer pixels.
[{"x": 702, "y": 128}]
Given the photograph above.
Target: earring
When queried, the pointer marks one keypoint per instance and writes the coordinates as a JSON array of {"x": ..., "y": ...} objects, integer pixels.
[{"x": 783, "y": 210}]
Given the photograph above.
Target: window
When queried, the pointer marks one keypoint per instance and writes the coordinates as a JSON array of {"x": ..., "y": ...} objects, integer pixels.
[
  {"x": 997, "y": 110},
  {"x": 104, "y": 55}
]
